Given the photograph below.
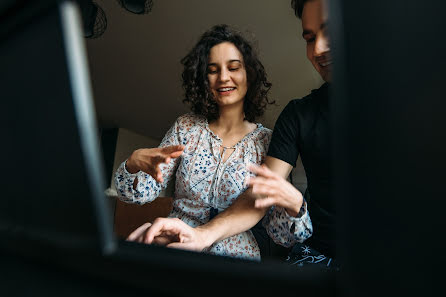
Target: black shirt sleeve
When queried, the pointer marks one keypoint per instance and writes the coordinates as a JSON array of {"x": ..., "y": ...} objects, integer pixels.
[{"x": 284, "y": 141}]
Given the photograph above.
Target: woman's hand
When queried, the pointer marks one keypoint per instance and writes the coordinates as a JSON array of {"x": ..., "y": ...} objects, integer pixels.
[
  {"x": 275, "y": 190},
  {"x": 171, "y": 232},
  {"x": 148, "y": 160}
]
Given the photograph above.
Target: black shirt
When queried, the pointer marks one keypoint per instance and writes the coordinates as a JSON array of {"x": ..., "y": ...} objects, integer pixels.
[{"x": 303, "y": 127}]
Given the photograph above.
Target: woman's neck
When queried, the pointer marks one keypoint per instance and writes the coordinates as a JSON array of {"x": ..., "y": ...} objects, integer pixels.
[{"x": 230, "y": 119}]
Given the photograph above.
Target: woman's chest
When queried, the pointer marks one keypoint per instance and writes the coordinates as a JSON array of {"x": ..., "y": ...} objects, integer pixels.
[{"x": 212, "y": 175}]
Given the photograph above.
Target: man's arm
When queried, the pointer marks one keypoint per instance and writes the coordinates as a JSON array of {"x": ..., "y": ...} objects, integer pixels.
[
  {"x": 272, "y": 188},
  {"x": 289, "y": 221}
]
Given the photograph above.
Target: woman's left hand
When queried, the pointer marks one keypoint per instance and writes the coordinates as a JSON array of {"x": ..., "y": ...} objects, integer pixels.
[{"x": 274, "y": 189}]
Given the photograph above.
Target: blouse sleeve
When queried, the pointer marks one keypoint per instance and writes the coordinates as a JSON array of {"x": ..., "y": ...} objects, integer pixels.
[
  {"x": 285, "y": 229},
  {"x": 147, "y": 188},
  {"x": 258, "y": 146}
]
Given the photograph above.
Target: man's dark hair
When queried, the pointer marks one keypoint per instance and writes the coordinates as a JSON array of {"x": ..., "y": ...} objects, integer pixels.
[
  {"x": 196, "y": 85},
  {"x": 298, "y": 6}
]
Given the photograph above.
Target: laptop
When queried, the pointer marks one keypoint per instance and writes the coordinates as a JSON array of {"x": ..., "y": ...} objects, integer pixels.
[{"x": 54, "y": 208}]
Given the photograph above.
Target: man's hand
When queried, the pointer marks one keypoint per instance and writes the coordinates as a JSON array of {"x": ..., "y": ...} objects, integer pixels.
[
  {"x": 148, "y": 160},
  {"x": 171, "y": 232},
  {"x": 275, "y": 190}
]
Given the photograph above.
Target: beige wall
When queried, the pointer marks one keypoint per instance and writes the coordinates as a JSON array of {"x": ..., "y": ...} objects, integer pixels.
[
  {"x": 129, "y": 141},
  {"x": 136, "y": 69}
]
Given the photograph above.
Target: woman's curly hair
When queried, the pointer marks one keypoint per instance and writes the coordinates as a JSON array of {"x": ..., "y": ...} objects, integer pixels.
[{"x": 196, "y": 85}]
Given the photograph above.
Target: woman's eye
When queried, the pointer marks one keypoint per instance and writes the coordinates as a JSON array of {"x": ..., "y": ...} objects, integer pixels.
[
  {"x": 233, "y": 69},
  {"x": 212, "y": 71}
]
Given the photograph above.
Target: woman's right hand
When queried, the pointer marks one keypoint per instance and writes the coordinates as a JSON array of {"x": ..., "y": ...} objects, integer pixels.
[
  {"x": 173, "y": 233},
  {"x": 148, "y": 160}
]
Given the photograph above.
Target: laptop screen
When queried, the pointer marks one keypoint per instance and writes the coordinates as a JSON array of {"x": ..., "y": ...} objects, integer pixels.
[{"x": 53, "y": 189}]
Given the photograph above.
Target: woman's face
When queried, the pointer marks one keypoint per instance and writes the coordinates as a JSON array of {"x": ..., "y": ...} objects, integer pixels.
[{"x": 227, "y": 74}]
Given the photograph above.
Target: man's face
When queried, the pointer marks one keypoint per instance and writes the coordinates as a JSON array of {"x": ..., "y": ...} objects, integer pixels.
[{"x": 314, "y": 25}]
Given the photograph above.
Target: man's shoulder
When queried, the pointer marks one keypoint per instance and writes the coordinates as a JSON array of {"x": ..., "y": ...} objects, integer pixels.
[
  {"x": 307, "y": 102},
  {"x": 314, "y": 94}
]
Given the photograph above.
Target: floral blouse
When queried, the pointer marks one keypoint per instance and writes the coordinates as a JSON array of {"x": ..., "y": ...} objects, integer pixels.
[{"x": 206, "y": 184}]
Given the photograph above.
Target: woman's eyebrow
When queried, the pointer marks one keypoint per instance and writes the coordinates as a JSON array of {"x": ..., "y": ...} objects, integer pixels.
[{"x": 229, "y": 61}]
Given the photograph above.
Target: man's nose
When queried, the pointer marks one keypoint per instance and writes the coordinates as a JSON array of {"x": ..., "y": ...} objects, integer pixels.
[{"x": 322, "y": 44}]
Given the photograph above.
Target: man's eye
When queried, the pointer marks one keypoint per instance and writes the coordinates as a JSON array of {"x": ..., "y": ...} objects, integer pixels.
[{"x": 310, "y": 40}]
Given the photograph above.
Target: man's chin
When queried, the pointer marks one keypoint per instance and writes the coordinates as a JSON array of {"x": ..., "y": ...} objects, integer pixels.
[{"x": 326, "y": 76}]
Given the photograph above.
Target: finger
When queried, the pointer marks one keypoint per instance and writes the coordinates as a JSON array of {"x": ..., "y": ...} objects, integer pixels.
[
  {"x": 172, "y": 149},
  {"x": 176, "y": 154},
  {"x": 155, "y": 173},
  {"x": 138, "y": 232},
  {"x": 159, "y": 159},
  {"x": 154, "y": 231},
  {"x": 261, "y": 171},
  {"x": 164, "y": 240},
  {"x": 163, "y": 225},
  {"x": 259, "y": 180},
  {"x": 150, "y": 171},
  {"x": 163, "y": 159},
  {"x": 264, "y": 190},
  {"x": 183, "y": 246},
  {"x": 160, "y": 240},
  {"x": 158, "y": 175},
  {"x": 264, "y": 202}
]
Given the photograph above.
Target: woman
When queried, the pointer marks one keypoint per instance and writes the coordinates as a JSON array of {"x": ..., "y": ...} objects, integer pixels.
[{"x": 209, "y": 149}]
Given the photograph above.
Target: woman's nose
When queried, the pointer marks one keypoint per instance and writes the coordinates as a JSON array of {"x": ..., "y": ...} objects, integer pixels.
[{"x": 224, "y": 75}]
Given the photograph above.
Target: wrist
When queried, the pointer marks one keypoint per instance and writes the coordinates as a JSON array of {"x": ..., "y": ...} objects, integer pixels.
[
  {"x": 206, "y": 236},
  {"x": 298, "y": 207},
  {"x": 292, "y": 212},
  {"x": 130, "y": 166}
]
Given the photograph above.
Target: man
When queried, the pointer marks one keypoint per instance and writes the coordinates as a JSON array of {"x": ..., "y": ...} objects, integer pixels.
[{"x": 302, "y": 127}]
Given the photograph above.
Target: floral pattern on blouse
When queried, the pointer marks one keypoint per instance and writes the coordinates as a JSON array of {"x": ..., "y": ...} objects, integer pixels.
[
  {"x": 285, "y": 229},
  {"x": 203, "y": 180}
]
